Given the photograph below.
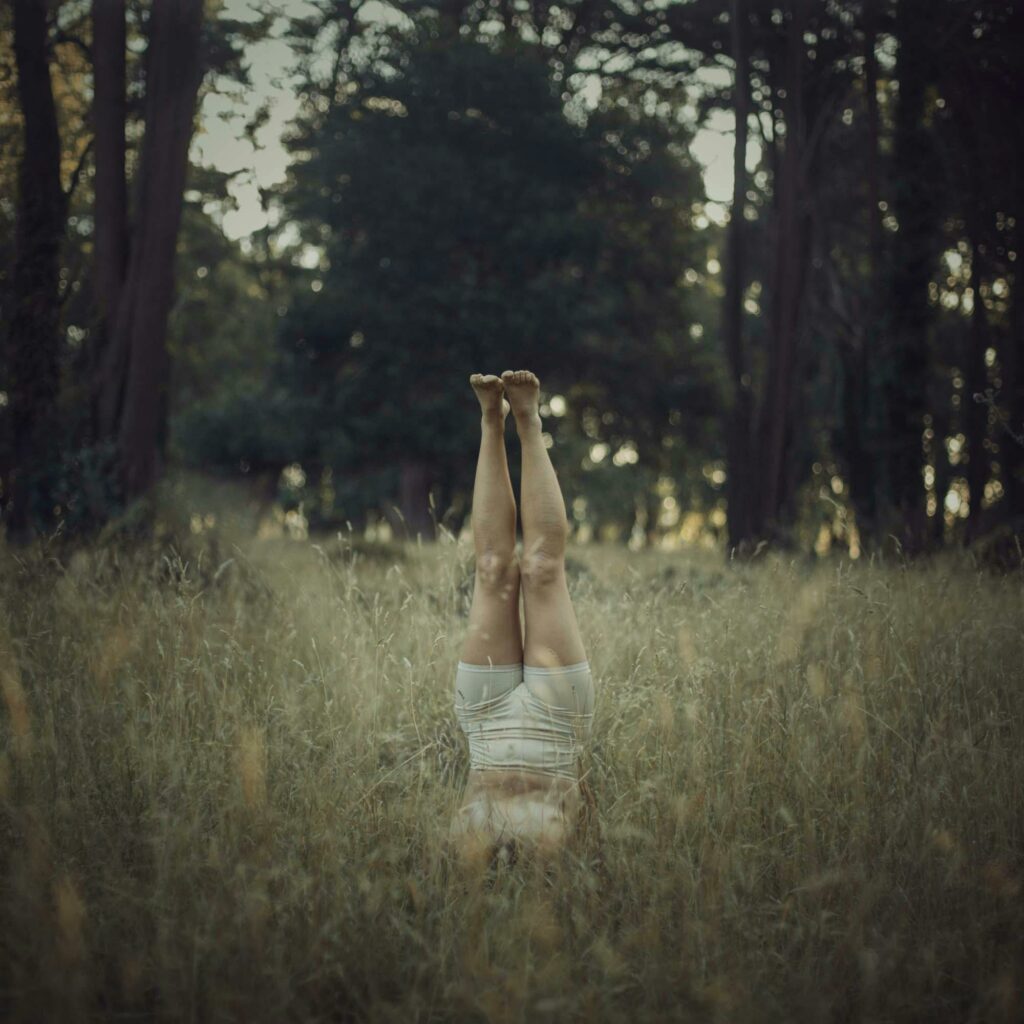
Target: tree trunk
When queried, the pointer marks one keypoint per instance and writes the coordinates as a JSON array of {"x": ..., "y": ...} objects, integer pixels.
[
  {"x": 739, "y": 439},
  {"x": 871, "y": 102},
  {"x": 908, "y": 362},
  {"x": 414, "y": 500},
  {"x": 110, "y": 109},
  {"x": 1011, "y": 443},
  {"x": 652, "y": 508},
  {"x": 942, "y": 427},
  {"x": 135, "y": 367},
  {"x": 860, "y": 427},
  {"x": 33, "y": 335},
  {"x": 787, "y": 293},
  {"x": 976, "y": 414},
  {"x": 110, "y": 189}
]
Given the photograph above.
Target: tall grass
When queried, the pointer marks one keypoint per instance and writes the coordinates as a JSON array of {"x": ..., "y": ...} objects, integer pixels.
[{"x": 225, "y": 783}]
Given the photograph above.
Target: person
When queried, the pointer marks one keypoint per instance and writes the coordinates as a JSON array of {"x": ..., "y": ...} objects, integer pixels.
[{"x": 524, "y": 694}]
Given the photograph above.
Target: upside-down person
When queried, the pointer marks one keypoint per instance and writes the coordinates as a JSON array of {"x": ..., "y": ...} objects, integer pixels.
[{"x": 523, "y": 696}]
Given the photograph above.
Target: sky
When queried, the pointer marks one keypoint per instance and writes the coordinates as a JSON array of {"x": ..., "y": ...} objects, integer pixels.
[{"x": 220, "y": 141}]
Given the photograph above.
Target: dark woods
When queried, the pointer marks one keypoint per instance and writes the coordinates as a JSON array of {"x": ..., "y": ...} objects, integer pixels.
[
  {"x": 890, "y": 231},
  {"x": 116, "y": 395},
  {"x": 501, "y": 185}
]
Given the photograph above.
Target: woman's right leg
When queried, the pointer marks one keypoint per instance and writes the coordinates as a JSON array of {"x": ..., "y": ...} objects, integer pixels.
[
  {"x": 552, "y": 633},
  {"x": 495, "y": 633}
]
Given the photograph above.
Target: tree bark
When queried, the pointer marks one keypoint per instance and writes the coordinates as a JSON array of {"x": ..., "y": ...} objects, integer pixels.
[
  {"x": 776, "y": 424},
  {"x": 942, "y": 427},
  {"x": 33, "y": 335},
  {"x": 860, "y": 425},
  {"x": 976, "y": 414},
  {"x": 738, "y": 430},
  {"x": 414, "y": 500},
  {"x": 110, "y": 110},
  {"x": 1011, "y": 442},
  {"x": 907, "y": 366},
  {"x": 652, "y": 508},
  {"x": 135, "y": 368}
]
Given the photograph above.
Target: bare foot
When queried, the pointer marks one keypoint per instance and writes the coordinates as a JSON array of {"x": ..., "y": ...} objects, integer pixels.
[
  {"x": 491, "y": 393},
  {"x": 523, "y": 390}
]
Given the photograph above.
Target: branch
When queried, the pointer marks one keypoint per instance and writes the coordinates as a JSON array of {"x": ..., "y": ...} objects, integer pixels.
[
  {"x": 73, "y": 269},
  {"x": 66, "y": 37},
  {"x": 988, "y": 398},
  {"x": 818, "y": 129},
  {"x": 78, "y": 170}
]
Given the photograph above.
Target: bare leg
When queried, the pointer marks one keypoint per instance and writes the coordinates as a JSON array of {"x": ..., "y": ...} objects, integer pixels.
[
  {"x": 495, "y": 634},
  {"x": 552, "y": 633}
]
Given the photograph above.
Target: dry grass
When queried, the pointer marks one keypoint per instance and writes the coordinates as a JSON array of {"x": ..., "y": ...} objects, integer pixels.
[{"x": 224, "y": 789}]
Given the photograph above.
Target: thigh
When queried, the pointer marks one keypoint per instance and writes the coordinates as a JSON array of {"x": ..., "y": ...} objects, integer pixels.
[
  {"x": 552, "y": 632},
  {"x": 495, "y": 634}
]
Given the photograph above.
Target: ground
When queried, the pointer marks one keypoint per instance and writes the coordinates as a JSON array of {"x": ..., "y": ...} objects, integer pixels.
[{"x": 226, "y": 775}]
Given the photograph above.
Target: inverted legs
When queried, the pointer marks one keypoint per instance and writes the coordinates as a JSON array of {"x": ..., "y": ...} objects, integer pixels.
[{"x": 495, "y": 635}]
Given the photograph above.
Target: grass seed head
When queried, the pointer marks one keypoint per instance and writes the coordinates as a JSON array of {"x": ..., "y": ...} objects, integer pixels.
[
  {"x": 17, "y": 707},
  {"x": 251, "y": 757},
  {"x": 71, "y": 915}
]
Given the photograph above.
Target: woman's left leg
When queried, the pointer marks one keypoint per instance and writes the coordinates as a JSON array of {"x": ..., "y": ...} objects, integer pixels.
[{"x": 495, "y": 633}]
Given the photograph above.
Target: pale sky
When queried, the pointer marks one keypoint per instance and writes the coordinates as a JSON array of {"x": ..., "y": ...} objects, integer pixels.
[{"x": 221, "y": 143}]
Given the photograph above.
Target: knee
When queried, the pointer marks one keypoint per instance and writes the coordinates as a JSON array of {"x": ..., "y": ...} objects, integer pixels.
[
  {"x": 497, "y": 571},
  {"x": 542, "y": 568}
]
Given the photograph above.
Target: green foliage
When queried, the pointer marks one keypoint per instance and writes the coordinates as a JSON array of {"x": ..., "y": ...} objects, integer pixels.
[
  {"x": 467, "y": 223},
  {"x": 227, "y": 414},
  {"x": 450, "y": 194},
  {"x": 241, "y": 428}
]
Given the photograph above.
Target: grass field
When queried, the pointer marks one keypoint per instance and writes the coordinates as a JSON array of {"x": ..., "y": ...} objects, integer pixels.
[{"x": 225, "y": 782}]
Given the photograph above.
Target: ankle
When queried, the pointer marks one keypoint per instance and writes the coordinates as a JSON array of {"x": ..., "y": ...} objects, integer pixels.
[
  {"x": 528, "y": 421},
  {"x": 493, "y": 420}
]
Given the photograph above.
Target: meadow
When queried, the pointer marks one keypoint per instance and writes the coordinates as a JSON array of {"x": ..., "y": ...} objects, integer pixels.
[{"x": 227, "y": 770}]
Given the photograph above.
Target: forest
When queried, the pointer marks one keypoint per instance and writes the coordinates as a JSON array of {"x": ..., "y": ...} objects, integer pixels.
[{"x": 832, "y": 361}]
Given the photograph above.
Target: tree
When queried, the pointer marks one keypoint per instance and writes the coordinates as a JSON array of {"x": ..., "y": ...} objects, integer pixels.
[
  {"x": 905, "y": 387},
  {"x": 647, "y": 387},
  {"x": 856, "y": 299},
  {"x": 981, "y": 86},
  {"x": 110, "y": 184},
  {"x": 449, "y": 190},
  {"x": 132, "y": 386},
  {"x": 778, "y": 412},
  {"x": 739, "y": 432},
  {"x": 33, "y": 340},
  {"x": 791, "y": 59},
  {"x": 467, "y": 218}
]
